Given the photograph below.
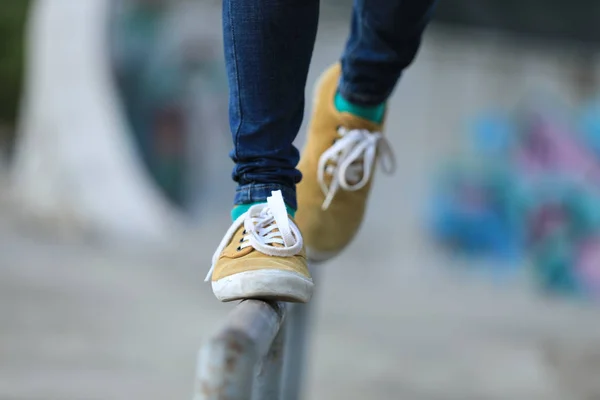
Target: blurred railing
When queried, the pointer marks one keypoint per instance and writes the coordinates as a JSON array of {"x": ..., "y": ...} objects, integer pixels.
[{"x": 258, "y": 353}]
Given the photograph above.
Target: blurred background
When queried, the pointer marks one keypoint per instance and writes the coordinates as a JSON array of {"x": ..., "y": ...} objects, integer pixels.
[{"x": 115, "y": 190}]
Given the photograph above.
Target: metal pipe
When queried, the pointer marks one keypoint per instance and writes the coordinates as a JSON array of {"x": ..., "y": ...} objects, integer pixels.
[
  {"x": 227, "y": 361},
  {"x": 267, "y": 381},
  {"x": 298, "y": 322},
  {"x": 297, "y": 326}
]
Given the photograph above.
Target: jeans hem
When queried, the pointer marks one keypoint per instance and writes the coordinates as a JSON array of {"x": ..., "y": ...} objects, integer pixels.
[
  {"x": 258, "y": 192},
  {"x": 358, "y": 99}
]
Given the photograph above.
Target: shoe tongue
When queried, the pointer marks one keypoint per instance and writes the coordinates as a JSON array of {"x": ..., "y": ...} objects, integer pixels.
[
  {"x": 278, "y": 234},
  {"x": 355, "y": 171},
  {"x": 275, "y": 232},
  {"x": 281, "y": 217}
]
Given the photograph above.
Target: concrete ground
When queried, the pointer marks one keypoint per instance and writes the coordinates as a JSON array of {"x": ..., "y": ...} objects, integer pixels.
[{"x": 394, "y": 319}]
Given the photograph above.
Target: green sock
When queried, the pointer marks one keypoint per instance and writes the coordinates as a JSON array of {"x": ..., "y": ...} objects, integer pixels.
[
  {"x": 371, "y": 113},
  {"x": 239, "y": 209}
]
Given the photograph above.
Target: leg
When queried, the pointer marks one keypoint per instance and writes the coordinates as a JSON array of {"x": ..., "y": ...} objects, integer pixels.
[
  {"x": 268, "y": 47},
  {"x": 384, "y": 40},
  {"x": 345, "y": 136}
]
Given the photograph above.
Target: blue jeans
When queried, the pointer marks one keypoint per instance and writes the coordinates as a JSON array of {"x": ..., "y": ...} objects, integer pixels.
[{"x": 268, "y": 48}]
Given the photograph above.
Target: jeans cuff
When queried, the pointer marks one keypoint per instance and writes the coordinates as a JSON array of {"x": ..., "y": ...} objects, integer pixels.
[
  {"x": 258, "y": 193},
  {"x": 366, "y": 100}
]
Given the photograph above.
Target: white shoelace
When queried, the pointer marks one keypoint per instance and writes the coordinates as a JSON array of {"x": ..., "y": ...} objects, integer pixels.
[
  {"x": 265, "y": 225},
  {"x": 341, "y": 161}
]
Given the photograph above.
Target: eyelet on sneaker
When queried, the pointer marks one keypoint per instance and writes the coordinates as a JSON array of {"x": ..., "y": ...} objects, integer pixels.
[
  {"x": 243, "y": 233},
  {"x": 239, "y": 248},
  {"x": 242, "y": 240}
]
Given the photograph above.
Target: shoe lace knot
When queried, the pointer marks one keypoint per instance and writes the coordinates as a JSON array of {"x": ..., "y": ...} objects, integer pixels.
[
  {"x": 267, "y": 229},
  {"x": 350, "y": 161}
]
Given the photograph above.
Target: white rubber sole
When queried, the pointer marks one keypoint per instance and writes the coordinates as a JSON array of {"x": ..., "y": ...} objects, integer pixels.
[{"x": 266, "y": 284}]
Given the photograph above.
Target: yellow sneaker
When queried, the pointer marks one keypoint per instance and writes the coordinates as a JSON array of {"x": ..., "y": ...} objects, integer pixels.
[
  {"x": 337, "y": 164},
  {"x": 262, "y": 256}
]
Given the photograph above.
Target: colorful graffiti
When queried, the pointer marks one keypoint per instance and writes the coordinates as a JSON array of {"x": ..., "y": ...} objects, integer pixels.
[{"x": 527, "y": 193}]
